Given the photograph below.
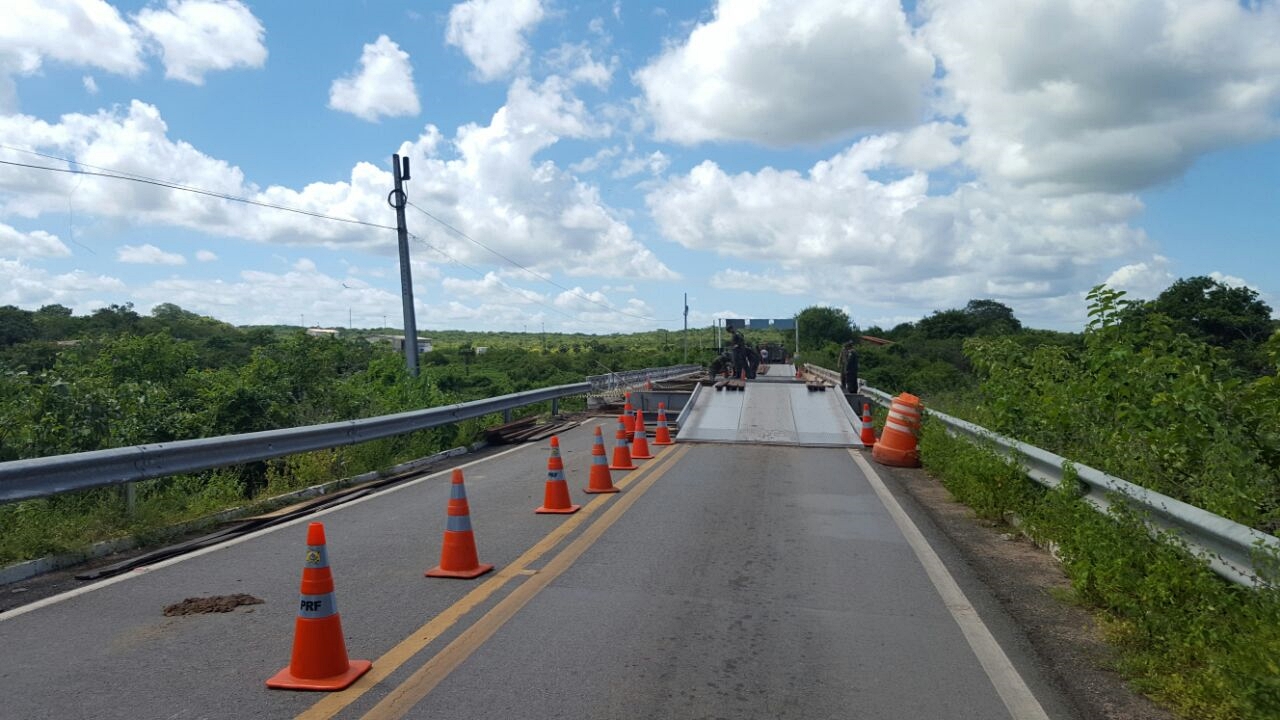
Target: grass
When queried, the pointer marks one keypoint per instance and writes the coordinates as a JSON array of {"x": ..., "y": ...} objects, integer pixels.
[{"x": 1204, "y": 647}]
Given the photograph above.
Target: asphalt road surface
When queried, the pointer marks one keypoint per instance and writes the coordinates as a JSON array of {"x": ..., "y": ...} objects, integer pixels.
[{"x": 725, "y": 581}]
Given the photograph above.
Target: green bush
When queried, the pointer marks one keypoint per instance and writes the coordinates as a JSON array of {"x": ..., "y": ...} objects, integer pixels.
[{"x": 1189, "y": 639}]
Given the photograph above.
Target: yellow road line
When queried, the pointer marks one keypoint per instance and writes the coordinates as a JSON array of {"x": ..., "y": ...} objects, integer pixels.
[
  {"x": 390, "y": 661},
  {"x": 402, "y": 699}
]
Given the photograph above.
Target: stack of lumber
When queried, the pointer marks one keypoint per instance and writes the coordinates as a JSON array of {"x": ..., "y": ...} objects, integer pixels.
[{"x": 527, "y": 429}]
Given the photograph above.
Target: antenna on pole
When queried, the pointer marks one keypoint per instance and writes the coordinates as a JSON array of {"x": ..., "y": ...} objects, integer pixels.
[{"x": 397, "y": 199}]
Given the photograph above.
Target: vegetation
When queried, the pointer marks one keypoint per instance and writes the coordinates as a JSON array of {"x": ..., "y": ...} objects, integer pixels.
[
  {"x": 1179, "y": 394},
  {"x": 114, "y": 379},
  {"x": 1170, "y": 395}
]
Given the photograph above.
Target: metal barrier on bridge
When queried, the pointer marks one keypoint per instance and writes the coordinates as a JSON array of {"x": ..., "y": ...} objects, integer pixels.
[{"x": 1236, "y": 552}]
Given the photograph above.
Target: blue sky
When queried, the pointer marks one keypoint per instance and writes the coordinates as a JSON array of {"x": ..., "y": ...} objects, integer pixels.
[{"x": 604, "y": 158}]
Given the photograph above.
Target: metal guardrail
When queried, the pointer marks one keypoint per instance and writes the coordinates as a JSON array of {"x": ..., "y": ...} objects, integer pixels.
[
  {"x": 615, "y": 383},
  {"x": 43, "y": 477},
  {"x": 1234, "y": 551},
  {"x": 688, "y": 406}
]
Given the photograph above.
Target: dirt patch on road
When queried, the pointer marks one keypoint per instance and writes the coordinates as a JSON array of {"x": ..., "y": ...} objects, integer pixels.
[
  {"x": 1031, "y": 586},
  {"x": 215, "y": 604}
]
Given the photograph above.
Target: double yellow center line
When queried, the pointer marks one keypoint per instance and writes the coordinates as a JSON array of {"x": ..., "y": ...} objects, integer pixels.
[{"x": 409, "y": 693}]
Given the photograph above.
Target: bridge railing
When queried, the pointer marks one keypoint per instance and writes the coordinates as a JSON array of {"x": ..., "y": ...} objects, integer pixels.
[
  {"x": 612, "y": 385},
  {"x": 1234, "y": 551},
  {"x": 47, "y": 476}
]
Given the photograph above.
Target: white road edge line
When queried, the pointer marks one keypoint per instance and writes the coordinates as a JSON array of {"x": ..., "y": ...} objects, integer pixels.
[
  {"x": 55, "y": 599},
  {"x": 1018, "y": 698}
]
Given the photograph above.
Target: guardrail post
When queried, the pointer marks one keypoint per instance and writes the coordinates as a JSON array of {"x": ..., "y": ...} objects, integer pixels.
[
  {"x": 555, "y": 407},
  {"x": 129, "y": 491},
  {"x": 506, "y": 415}
]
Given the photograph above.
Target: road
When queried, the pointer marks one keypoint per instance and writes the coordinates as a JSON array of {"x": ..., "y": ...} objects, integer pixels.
[{"x": 736, "y": 581}]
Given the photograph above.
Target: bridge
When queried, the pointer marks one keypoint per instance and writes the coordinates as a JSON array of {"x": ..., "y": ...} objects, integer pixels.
[{"x": 760, "y": 567}]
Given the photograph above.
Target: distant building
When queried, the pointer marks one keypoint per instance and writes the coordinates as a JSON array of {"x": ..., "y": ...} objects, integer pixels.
[
  {"x": 482, "y": 349},
  {"x": 322, "y": 332},
  {"x": 424, "y": 344}
]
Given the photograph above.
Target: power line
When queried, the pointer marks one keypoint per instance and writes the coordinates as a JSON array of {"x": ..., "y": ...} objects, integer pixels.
[
  {"x": 541, "y": 277},
  {"x": 195, "y": 190},
  {"x": 515, "y": 291},
  {"x": 113, "y": 174}
]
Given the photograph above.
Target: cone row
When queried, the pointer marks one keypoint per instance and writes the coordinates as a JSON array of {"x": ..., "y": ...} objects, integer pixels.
[{"x": 556, "y": 498}]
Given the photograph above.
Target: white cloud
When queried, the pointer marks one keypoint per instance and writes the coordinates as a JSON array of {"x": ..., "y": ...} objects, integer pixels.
[
  {"x": 532, "y": 212},
  {"x": 594, "y": 162},
  {"x": 1142, "y": 280},
  {"x": 382, "y": 87},
  {"x": 90, "y": 85},
  {"x": 579, "y": 64},
  {"x": 148, "y": 255},
  {"x": 770, "y": 282},
  {"x": 197, "y": 36},
  {"x": 655, "y": 163},
  {"x": 132, "y": 140},
  {"x": 891, "y": 242},
  {"x": 82, "y": 33},
  {"x": 27, "y": 286},
  {"x": 491, "y": 185},
  {"x": 87, "y": 33},
  {"x": 38, "y": 243},
  {"x": 493, "y": 33},
  {"x": 778, "y": 72},
  {"x": 256, "y": 297},
  {"x": 205, "y": 256},
  {"x": 1062, "y": 96},
  {"x": 1230, "y": 280},
  {"x": 929, "y": 147}
]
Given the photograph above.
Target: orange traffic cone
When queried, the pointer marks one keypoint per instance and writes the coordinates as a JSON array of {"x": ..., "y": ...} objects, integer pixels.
[
  {"x": 600, "y": 481},
  {"x": 319, "y": 659},
  {"x": 628, "y": 420},
  {"x": 663, "y": 434},
  {"x": 621, "y": 453},
  {"x": 648, "y": 383},
  {"x": 556, "y": 498},
  {"x": 897, "y": 444},
  {"x": 868, "y": 429},
  {"x": 640, "y": 445},
  {"x": 458, "y": 552}
]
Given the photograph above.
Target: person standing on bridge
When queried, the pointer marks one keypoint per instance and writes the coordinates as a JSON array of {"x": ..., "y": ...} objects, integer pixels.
[
  {"x": 753, "y": 362},
  {"x": 849, "y": 367},
  {"x": 739, "y": 346}
]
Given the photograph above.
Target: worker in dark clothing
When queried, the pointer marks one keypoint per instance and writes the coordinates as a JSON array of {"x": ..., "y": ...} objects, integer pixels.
[
  {"x": 738, "y": 345},
  {"x": 753, "y": 362},
  {"x": 849, "y": 367},
  {"x": 721, "y": 365}
]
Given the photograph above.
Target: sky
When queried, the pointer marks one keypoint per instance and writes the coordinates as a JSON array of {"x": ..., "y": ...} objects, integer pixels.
[{"x": 582, "y": 166}]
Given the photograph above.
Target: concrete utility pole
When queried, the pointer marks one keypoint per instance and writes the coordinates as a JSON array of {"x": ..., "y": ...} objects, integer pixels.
[
  {"x": 397, "y": 199},
  {"x": 686, "y": 328}
]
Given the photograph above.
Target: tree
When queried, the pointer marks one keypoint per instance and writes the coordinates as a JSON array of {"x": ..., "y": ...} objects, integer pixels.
[
  {"x": 55, "y": 322},
  {"x": 822, "y": 325},
  {"x": 992, "y": 318},
  {"x": 978, "y": 317},
  {"x": 113, "y": 320},
  {"x": 945, "y": 324},
  {"x": 1212, "y": 311},
  {"x": 16, "y": 326}
]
